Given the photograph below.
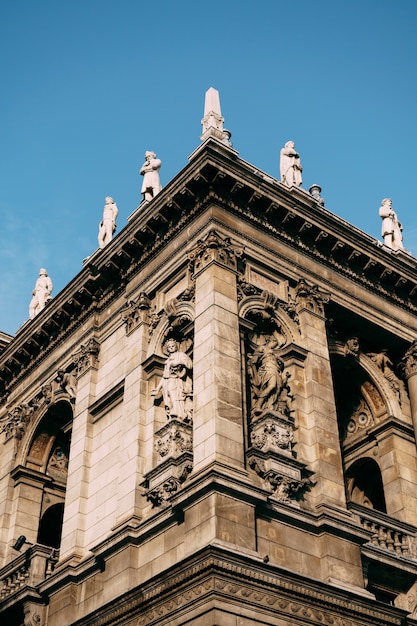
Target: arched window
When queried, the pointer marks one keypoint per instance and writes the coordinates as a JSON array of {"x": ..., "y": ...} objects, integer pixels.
[
  {"x": 364, "y": 484},
  {"x": 50, "y": 526}
]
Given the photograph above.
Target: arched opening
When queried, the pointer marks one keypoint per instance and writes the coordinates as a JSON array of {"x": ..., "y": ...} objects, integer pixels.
[
  {"x": 364, "y": 484},
  {"x": 50, "y": 526}
]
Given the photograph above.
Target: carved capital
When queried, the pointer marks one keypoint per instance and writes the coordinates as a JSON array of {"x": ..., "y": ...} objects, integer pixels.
[
  {"x": 136, "y": 312},
  {"x": 409, "y": 361},
  {"x": 86, "y": 357},
  {"x": 311, "y": 298},
  {"x": 214, "y": 249}
]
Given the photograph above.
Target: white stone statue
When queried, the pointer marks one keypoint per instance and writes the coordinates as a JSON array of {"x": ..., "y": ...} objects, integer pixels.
[
  {"x": 290, "y": 166},
  {"x": 176, "y": 384},
  {"x": 41, "y": 293},
  {"x": 391, "y": 226},
  {"x": 150, "y": 171},
  {"x": 108, "y": 224}
]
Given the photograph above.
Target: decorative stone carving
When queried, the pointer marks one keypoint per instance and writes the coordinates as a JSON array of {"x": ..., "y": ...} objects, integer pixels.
[
  {"x": 409, "y": 361},
  {"x": 391, "y": 226},
  {"x": 16, "y": 421},
  {"x": 382, "y": 360},
  {"x": 67, "y": 382},
  {"x": 33, "y": 614},
  {"x": 160, "y": 492},
  {"x": 86, "y": 357},
  {"x": 136, "y": 312},
  {"x": 283, "y": 486},
  {"x": 41, "y": 294},
  {"x": 150, "y": 171},
  {"x": 107, "y": 225},
  {"x": 290, "y": 165},
  {"x": 361, "y": 419},
  {"x": 272, "y": 433},
  {"x": 352, "y": 347},
  {"x": 214, "y": 248},
  {"x": 176, "y": 383},
  {"x": 310, "y": 297},
  {"x": 173, "y": 439}
]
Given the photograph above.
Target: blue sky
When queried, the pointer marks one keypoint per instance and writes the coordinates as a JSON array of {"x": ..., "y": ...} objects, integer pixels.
[{"x": 89, "y": 85}]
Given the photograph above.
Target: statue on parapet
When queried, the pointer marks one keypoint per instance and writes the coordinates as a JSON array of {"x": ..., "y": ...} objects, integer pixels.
[
  {"x": 315, "y": 191},
  {"x": 41, "y": 293},
  {"x": 107, "y": 225},
  {"x": 290, "y": 165},
  {"x": 150, "y": 171},
  {"x": 391, "y": 226}
]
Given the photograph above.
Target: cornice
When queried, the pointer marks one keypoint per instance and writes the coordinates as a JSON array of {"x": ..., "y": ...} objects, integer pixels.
[
  {"x": 217, "y": 573},
  {"x": 214, "y": 175}
]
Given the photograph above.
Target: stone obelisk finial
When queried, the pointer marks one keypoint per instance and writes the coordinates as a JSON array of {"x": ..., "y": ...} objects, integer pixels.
[{"x": 213, "y": 121}]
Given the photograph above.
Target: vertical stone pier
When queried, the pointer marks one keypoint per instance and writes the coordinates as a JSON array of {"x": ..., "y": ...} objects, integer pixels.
[{"x": 218, "y": 425}]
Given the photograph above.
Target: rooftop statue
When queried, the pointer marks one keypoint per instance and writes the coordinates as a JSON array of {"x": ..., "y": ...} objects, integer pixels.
[
  {"x": 391, "y": 226},
  {"x": 315, "y": 192},
  {"x": 290, "y": 166},
  {"x": 150, "y": 171},
  {"x": 41, "y": 293},
  {"x": 108, "y": 224}
]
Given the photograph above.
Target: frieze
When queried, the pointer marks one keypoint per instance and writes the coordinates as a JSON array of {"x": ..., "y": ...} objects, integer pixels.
[{"x": 257, "y": 588}]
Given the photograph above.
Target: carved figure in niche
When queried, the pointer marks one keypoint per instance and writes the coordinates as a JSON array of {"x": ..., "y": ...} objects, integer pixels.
[
  {"x": 150, "y": 171},
  {"x": 41, "y": 293},
  {"x": 391, "y": 226},
  {"x": 269, "y": 383},
  {"x": 290, "y": 166},
  {"x": 108, "y": 224},
  {"x": 176, "y": 383},
  {"x": 382, "y": 360}
]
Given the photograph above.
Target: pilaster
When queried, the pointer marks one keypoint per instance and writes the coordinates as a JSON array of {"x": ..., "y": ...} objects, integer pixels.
[
  {"x": 86, "y": 360},
  {"x": 218, "y": 428},
  {"x": 318, "y": 429}
]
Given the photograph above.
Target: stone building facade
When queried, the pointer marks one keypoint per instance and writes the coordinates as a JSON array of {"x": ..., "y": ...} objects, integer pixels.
[{"x": 214, "y": 423}]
